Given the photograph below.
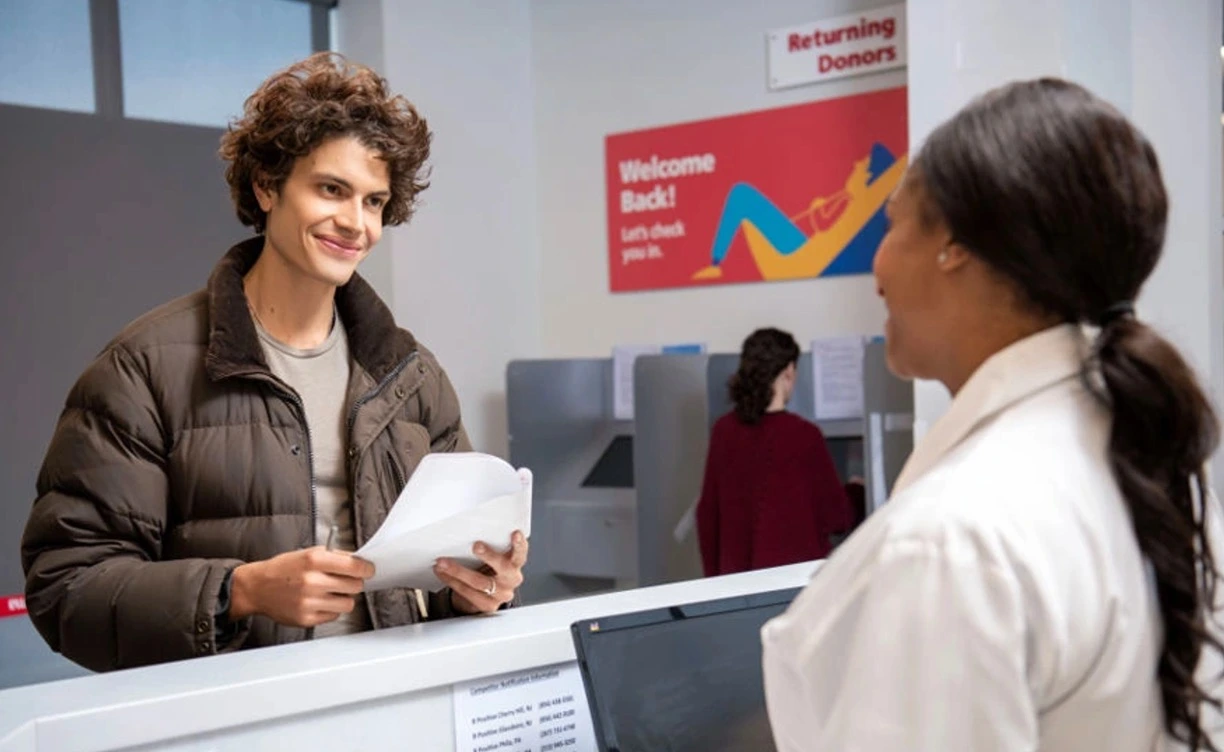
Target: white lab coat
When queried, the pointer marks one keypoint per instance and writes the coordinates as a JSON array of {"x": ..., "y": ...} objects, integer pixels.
[{"x": 998, "y": 602}]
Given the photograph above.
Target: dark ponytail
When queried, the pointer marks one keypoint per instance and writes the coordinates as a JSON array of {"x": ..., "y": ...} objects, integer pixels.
[
  {"x": 1164, "y": 431},
  {"x": 1059, "y": 193},
  {"x": 765, "y": 354}
]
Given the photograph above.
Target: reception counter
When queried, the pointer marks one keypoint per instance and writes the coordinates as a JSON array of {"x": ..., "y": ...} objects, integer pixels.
[{"x": 390, "y": 689}]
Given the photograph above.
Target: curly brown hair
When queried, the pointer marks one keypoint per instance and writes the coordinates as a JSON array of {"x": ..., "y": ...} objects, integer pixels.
[{"x": 320, "y": 98}]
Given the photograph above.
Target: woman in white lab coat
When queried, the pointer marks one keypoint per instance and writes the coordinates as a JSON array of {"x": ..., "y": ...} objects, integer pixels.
[{"x": 1045, "y": 574}]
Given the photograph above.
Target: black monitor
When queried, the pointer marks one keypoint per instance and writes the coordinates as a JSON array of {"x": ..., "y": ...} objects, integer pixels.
[{"x": 679, "y": 678}]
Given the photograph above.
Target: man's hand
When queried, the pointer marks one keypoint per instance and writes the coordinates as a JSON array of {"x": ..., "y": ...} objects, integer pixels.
[
  {"x": 487, "y": 589},
  {"x": 301, "y": 588}
]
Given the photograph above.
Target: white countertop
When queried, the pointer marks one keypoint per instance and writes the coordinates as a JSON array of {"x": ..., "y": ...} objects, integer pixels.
[{"x": 160, "y": 703}]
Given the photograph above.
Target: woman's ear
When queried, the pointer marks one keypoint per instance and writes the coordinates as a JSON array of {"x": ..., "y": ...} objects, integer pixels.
[{"x": 953, "y": 257}]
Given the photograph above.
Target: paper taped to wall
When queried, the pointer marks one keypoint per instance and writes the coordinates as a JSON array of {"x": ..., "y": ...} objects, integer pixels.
[{"x": 837, "y": 377}]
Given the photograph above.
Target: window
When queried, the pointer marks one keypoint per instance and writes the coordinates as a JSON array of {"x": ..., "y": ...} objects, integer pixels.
[
  {"x": 196, "y": 61},
  {"x": 185, "y": 61},
  {"x": 45, "y": 58}
]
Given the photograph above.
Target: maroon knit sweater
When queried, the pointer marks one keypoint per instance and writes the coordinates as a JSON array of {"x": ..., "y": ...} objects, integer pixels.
[{"x": 771, "y": 495}]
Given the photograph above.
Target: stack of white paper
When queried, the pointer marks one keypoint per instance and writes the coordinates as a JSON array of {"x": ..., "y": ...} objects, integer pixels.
[{"x": 451, "y": 501}]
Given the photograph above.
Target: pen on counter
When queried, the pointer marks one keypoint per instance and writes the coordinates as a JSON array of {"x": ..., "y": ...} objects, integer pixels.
[{"x": 331, "y": 537}]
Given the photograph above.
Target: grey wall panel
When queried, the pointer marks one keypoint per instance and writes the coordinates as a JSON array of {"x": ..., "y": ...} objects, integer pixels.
[
  {"x": 889, "y": 405},
  {"x": 103, "y": 219},
  {"x": 26, "y": 659},
  {"x": 671, "y": 410}
]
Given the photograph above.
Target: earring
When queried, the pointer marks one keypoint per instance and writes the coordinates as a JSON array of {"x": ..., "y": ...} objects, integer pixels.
[{"x": 942, "y": 257}]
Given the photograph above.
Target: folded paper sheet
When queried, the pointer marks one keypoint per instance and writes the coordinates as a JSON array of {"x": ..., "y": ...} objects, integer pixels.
[{"x": 450, "y": 502}]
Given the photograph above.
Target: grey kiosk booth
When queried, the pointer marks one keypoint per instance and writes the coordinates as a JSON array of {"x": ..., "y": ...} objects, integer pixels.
[{"x": 614, "y": 499}]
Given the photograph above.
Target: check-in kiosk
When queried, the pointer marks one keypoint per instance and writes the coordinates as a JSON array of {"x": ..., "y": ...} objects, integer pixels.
[
  {"x": 561, "y": 423},
  {"x": 615, "y": 500}
]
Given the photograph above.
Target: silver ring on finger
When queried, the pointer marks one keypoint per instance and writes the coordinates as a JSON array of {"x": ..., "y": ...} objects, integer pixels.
[{"x": 492, "y": 588}]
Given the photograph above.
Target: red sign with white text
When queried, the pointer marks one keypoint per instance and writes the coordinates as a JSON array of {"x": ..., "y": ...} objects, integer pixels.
[
  {"x": 790, "y": 193},
  {"x": 12, "y": 605}
]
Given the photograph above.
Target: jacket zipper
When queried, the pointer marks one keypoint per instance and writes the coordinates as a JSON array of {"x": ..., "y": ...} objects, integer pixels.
[
  {"x": 314, "y": 503},
  {"x": 396, "y": 476}
]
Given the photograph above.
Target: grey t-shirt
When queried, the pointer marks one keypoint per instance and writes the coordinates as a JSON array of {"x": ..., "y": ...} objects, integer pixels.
[{"x": 320, "y": 376}]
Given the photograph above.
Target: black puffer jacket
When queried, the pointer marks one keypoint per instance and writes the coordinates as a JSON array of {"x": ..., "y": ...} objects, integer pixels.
[{"x": 179, "y": 455}]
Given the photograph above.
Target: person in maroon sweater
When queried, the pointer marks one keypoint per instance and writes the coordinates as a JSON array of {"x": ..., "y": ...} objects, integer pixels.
[{"x": 771, "y": 494}]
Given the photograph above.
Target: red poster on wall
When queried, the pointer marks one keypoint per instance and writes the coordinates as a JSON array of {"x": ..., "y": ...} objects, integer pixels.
[{"x": 791, "y": 193}]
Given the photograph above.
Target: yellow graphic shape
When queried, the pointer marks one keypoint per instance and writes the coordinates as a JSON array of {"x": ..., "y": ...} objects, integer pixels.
[
  {"x": 710, "y": 272},
  {"x": 815, "y": 255}
]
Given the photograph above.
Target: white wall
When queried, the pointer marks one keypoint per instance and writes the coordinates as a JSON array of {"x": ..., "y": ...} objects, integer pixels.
[
  {"x": 608, "y": 67},
  {"x": 464, "y": 272},
  {"x": 507, "y": 257},
  {"x": 1175, "y": 73},
  {"x": 1157, "y": 61},
  {"x": 958, "y": 49}
]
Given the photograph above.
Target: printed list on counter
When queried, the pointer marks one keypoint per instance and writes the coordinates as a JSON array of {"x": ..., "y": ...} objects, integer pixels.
[{"x": 541, "y": 710}]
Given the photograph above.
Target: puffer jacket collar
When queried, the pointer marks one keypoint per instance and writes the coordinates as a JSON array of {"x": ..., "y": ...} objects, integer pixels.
[{"x": 376, "y": 343}]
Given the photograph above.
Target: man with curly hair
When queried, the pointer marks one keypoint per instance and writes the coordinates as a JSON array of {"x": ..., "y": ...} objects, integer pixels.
[{"x": 218, "y": 440}]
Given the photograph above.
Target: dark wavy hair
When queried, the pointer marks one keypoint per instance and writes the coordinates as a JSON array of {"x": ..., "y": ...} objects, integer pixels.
[
  {"x": 320, "y": 98},
  {"x": 765, "y": 354},
  {"x": 1059, "y": 193}
]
